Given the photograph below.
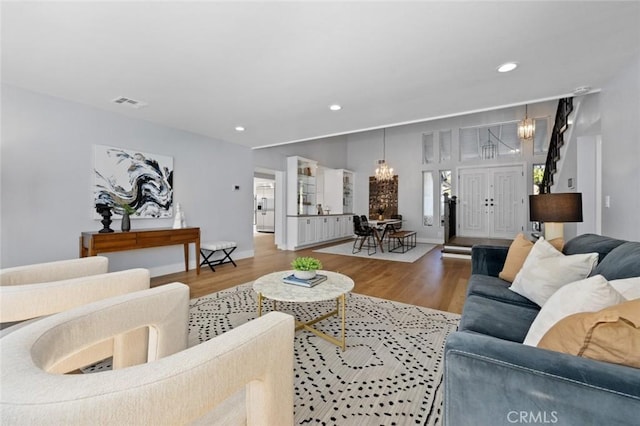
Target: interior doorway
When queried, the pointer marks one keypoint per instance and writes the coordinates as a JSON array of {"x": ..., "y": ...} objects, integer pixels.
[
  {"x": 491, "y": 201},
  {"x": 268, "y": 209},
  {"x": 264, "y": 219}
]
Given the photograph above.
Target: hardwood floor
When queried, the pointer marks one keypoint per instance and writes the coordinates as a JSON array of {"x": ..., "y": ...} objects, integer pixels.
[{"x": 431, "y": 281}]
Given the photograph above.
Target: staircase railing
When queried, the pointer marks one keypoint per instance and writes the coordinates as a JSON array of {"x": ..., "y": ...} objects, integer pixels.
[{"x": 565, "y": 106}]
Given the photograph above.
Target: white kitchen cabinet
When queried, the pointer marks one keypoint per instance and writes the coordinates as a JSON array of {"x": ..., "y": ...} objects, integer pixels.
[
  {"x": 346, "y": 226},
  {"x": 305, "y": 231}
]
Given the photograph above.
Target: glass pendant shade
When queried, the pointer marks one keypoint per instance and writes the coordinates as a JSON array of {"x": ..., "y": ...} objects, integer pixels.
[
  {"x": 383, "y": 171},
  {"x": 526, "y": 127}
]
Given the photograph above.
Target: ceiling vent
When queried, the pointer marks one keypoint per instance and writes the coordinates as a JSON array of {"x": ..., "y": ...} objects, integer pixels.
[
  {"x": 582, "y": 90},
  {"x": 123, "y": 100}
]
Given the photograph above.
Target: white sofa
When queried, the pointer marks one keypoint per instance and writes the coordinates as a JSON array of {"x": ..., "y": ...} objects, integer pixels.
[{"x": 244, "y": 376}]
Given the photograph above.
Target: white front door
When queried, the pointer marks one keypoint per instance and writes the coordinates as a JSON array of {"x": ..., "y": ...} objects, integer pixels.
[{"x": 491, "y": 201}]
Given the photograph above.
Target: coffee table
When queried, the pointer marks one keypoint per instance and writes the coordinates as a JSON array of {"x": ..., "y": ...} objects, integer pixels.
[{"x": 336, "y": 286}]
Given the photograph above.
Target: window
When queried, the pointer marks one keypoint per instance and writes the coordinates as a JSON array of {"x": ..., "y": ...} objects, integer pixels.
[
  {"x": 428, "y": 155},
  {"x": 427, "y": 198},
  {"x": 538, "y": 173},
  {"x": 489, "y": 142},
  {"x": 445, "y": 188},
  {"x": 445, "y": 146},
  {"x": 541, "y": 138}
]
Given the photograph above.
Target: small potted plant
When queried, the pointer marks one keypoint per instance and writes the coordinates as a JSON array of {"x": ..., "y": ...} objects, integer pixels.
[{"x": 305, "y": 268}]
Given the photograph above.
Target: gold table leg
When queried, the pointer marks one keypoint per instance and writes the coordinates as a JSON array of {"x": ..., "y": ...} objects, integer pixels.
[
  {"x": 341, "y": 310},
  {"x": 341, "y": 303}
]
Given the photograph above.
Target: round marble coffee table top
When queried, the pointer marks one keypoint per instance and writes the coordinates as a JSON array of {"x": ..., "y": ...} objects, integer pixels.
[{"x": 272, "y": 287}]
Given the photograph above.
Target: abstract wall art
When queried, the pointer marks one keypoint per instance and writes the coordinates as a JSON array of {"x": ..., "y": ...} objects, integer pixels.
[{"x": 141, "y": 180}]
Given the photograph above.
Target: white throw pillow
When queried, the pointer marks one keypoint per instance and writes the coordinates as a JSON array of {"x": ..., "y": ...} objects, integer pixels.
[
  {"x": 546, "y": 270},
  {"x": 628, "y": 287},
  {"x": 589, "y": 295}
]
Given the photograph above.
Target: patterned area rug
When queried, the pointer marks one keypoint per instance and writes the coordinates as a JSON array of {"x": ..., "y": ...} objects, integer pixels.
[
  {"x": 390, "y": 373},
  {"x": 409, "y": 257}
]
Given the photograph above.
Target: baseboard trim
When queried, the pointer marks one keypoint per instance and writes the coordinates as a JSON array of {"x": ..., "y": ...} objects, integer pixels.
[{"x": 157, "y": 271}]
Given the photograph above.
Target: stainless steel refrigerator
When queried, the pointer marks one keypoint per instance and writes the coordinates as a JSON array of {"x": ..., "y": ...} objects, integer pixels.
[{"x": 265, "y": 209}]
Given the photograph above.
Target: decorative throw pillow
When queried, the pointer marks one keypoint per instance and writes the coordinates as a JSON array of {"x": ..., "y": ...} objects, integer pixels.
[
  {"x": 588, "y": 295},
  {"x": 546, "y": 269},
  {"x": 610, "y": 335},
  {"x": 557, "y": 243},
  {"x": 628, "y": 287},
  {"x": 518, "y": 252}
]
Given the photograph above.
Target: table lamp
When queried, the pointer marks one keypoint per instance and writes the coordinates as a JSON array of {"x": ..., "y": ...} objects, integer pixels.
[{"x": 554, "y": 210}]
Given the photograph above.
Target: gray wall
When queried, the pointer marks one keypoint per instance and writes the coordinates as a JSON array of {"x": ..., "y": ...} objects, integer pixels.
[
  {"x": 47, "y": 178},
  {"x": 620, "y": 106}
]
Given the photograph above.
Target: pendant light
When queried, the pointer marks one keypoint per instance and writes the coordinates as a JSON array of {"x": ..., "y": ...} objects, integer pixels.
[
  {"x": 526, "y": 127},
  {"x": 383, "y": 171}
]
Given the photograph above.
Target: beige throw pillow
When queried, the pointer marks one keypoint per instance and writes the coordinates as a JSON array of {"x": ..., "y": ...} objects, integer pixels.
[
  {"x": 518, "y": 252},
  {"x": 610, "y": 335}
]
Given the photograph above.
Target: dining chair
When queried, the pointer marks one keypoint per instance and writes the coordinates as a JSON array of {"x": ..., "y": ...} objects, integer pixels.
[
  {"x": 364, "y": 234},
  {"x": 397, "y": 226}
]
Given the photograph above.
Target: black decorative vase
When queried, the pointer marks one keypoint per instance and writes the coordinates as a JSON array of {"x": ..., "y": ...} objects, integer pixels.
[
  {"x": 105, "y": 211},
  {"x": 126, "y": 222}
]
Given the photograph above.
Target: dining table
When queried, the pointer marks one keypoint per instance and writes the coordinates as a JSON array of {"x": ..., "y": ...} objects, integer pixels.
[{"x": 380, "y": 229}]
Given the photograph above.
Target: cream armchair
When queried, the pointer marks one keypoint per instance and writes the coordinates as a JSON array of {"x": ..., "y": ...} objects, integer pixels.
[
  {"x": 54, "y": 271},
  {"x": 244, "y": 376},
  {"x": 33, "y": 291}
]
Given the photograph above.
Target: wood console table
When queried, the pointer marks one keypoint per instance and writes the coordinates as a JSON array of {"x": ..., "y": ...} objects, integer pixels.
[{"x": 92, "y": 243}]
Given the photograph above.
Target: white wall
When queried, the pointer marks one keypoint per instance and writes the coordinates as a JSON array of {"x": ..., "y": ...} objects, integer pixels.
[
  {"x": 404, "y": 154},
  {"x": 328, "y": 152},
  {"x": 620, "y": 106},
  {"x": 584, "y": 122},
  {"x": 47, "y": 177}
]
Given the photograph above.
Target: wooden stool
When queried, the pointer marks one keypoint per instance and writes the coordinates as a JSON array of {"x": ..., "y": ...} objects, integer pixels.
[{"x": 227, "y": 248}]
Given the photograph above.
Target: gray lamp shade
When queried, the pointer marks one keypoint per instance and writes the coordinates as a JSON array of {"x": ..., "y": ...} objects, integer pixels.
[{"x": 562, "y": 207}]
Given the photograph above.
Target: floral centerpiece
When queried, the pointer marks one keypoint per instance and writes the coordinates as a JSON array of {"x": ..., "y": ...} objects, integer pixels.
[{"x": 305, "y": 268}]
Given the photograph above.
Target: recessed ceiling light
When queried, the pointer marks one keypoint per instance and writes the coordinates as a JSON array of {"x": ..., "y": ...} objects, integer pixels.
[
  {"x": 508, "y": 66},
  {"x": 335, "y": 107},
  {"x": 239, "y": 129}
]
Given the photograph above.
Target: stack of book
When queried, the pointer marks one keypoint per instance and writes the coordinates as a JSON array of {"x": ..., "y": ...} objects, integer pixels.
[{"x": 291, "y": 279}]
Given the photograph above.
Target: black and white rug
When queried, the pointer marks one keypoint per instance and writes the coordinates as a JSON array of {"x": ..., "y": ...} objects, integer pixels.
[{"x": 390, "y": 373}]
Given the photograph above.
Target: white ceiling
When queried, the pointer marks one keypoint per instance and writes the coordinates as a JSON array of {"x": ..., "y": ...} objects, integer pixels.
[{"x": 275, "y": 67}]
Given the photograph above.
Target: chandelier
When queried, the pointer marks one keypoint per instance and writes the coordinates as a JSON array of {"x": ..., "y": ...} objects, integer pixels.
[
  {"x": 383, "y": 171},
  {"x": 526, "y": 127}
]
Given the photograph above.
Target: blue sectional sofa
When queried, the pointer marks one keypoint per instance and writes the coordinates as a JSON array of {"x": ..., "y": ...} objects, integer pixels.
[{"x": 491, "y": 378}]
